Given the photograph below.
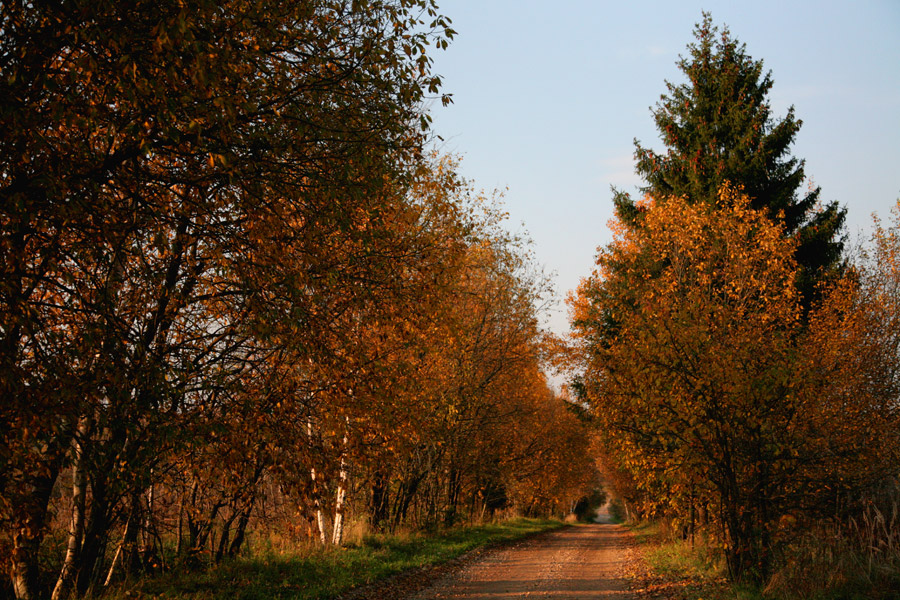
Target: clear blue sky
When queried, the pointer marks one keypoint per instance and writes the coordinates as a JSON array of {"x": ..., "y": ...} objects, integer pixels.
[{"x": 548, "y": 96}]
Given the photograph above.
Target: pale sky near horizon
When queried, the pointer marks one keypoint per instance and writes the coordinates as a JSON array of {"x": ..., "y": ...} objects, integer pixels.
[{"x": 549, "y": 96}]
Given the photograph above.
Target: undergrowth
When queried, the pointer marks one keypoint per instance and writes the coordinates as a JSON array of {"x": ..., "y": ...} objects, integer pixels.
[
  {"x": 855, "y": 560},
  {"x": 320, "y": 573},
  {"x": 690, "y": 571},
  {"x": 859, "y": 559}
]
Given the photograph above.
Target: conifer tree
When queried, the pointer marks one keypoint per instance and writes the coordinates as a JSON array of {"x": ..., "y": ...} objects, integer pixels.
[{"x": 717, "y": 127}]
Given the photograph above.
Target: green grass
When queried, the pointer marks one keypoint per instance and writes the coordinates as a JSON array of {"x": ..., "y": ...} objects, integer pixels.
[
  {"x": 645, "y": 532},
  {"x": 698, "y": 570},
  {"x": 325, "y": 573},
  {"x": 679, "y": 559},
  {"x": 701, "y": 567},
  {"x": 814, "y": 567}
]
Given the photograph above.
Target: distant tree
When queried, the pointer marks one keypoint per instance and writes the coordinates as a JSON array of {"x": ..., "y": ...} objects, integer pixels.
[{"x": 717, "y": 127}]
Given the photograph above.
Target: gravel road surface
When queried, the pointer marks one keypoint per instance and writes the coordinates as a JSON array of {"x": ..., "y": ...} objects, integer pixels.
[{"x": 583, "y": 562}]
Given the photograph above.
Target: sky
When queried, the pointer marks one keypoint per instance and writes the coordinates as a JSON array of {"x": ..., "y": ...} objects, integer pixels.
[{"x": 548, "y": 97}]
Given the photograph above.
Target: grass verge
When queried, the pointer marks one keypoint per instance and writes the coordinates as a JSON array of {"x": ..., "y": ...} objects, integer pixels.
[
  {"x": 678, "y": 570},
  {"x": 326, "y": 573},
  {"x": 813, "y": 567}
]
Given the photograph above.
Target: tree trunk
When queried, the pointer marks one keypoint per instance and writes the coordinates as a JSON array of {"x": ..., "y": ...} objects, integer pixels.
[
  {"x": 24, "y": 564},
  {"x": 200, "y": 530},
  {"x": 179, "y": 539},
  {"x": 124, "y": 550},
  {"x": 405, "y": 494},
  {"x": 239, "y": 534},
  {"x": 223, "y": 539},
  {"x": 338, "y": 534},
  {"x": 131, "y": 550},
  {"x": 742, "y": 556},
  {"x": 317, "y": 503},
  {"x": 337, "y": 537},
  {"x": 453, "y": 491},
  {"x": 27, "y": 537},
  {"x": 380, "y": 500},
  {"x": 115, "y": 563},
  {"x": 320, "y": 514},
  {"x": 76, "y": 525},
  {"x": 95, "y": 537},
  {"x": 147, "y": 530}
]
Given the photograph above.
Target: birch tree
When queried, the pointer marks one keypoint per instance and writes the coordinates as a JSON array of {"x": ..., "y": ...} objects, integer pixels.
[{"x": 141, "y": 146}]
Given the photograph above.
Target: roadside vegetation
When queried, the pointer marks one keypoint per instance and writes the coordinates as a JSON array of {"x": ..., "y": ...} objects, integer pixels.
[
  {"x": 741, "y": 361},
  {"x": 242, "y": 300},
  {"x": 257, "y": 337},
  {"x": 317, "y": 574},
  {"x": 855, "y": 560}
]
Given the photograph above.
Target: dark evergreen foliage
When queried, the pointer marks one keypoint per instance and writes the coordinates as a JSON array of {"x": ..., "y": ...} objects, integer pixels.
[{"x": 718, "y": 127}]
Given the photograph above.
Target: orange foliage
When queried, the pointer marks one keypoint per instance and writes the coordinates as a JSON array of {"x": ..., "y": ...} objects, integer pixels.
[{"x": 711, "y": 390}]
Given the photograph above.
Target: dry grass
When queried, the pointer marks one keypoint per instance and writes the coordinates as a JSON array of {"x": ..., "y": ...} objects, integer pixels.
[
  {"x": 857, "y": 559},
  {"x": 316, "y": 573}
]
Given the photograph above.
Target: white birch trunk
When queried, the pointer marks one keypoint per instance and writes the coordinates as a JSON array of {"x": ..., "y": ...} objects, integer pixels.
[
  {"x": 320, "y": 516},
  {"x": 146, "y": 538},
  {"x": 21, "y": 587},
  {"x": 338, "y": 533},
  {"x": 115, "y": 562},
  {"x": 76, "y": 525}
]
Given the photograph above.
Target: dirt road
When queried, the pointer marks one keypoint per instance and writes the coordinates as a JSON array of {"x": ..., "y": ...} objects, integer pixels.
[{"x": 582, "y": 562}]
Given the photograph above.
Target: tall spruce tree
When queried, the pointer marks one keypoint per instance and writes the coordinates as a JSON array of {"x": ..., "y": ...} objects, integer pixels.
[{"x": 718, "y": 126}]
